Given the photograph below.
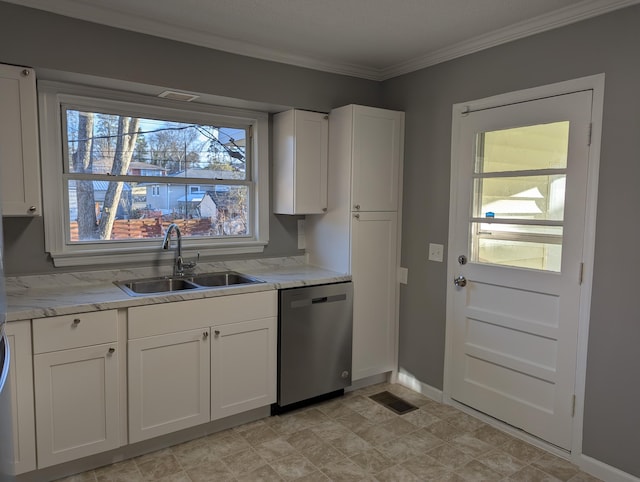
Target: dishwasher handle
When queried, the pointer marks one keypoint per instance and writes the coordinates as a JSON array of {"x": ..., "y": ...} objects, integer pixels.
[{"x": 322, "y": 299}]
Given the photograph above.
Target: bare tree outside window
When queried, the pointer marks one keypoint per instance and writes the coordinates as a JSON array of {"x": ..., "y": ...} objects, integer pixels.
[{"x": 129, "y": 177}]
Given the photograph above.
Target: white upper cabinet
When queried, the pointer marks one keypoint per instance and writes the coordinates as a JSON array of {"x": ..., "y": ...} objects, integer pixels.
[
  {"x": 376, "y": 152},
  {"x": 19, "y": 152},
  {"x": 300, "y": 151}
]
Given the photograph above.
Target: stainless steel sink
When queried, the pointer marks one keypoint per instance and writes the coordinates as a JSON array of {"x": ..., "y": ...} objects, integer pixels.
[
  {"x": 155, "y": 285},
  {"x": 171, "y": 284},
  {"x": 227, "y": 278}
]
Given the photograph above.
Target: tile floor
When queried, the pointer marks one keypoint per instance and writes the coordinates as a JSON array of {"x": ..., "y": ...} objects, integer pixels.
[{"x": 350, "y": 439}]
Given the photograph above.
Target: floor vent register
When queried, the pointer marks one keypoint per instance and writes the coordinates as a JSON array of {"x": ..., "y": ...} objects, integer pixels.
[{"x": 393, "y": 402}]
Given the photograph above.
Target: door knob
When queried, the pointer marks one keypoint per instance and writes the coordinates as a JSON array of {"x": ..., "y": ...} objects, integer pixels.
[{"x": 460, "y": 281}]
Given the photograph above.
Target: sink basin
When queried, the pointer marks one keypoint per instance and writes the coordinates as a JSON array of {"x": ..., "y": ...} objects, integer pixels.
[
  {"x": 227, "y": 278},
  {"x": 169, "y": 284},
  {"x": 156, "y": 285}
]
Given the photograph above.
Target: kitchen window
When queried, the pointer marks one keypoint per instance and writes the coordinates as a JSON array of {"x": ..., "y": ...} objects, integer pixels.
[{"x": 119, "y": 168}]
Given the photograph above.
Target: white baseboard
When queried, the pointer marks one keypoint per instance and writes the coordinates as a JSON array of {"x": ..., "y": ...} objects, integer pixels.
[
  {"x": 604, "y": 471},
  {"x": 407, "y": 380}
]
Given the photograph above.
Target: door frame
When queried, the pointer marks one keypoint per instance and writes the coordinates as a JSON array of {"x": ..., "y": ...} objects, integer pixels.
[{"x": 596, "y": 84}]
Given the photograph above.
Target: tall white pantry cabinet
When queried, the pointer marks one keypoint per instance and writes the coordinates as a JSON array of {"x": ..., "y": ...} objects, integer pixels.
[{"x": 360, "y": 233}]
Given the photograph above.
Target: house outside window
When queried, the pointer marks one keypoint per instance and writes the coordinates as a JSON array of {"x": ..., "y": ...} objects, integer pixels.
[{"x": 120, "y": 169}]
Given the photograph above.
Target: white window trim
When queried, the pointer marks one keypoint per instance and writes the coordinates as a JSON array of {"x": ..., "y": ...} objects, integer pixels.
[{"x": 52, "y": 94}]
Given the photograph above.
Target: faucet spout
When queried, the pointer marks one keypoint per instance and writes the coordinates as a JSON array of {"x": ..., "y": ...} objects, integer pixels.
[{"x": 178, "y": 265}]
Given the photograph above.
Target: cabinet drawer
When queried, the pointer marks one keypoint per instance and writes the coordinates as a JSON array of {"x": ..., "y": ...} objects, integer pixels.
[
  {"x": 73, "y": 331},
  {"x": 166, "y": 318}
]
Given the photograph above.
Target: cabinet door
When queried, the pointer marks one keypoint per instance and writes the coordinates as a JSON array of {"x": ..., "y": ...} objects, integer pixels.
[
  {"x": 19, "y": 159},
  {"x": 22, "y": 409},
  {"x": 378, "y": 137},
  {"x": 243, "y": 366},
  {"x": 301, "y": 143},
  {"x": 169, "y": 379},
  {"x": 374, "y": 293},
  {"x": 77, "y": 411}
]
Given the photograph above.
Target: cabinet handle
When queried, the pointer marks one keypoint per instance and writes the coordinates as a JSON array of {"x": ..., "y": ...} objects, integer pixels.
[
  {"x": 357, "y": 206},
  {"x": 32, "y": 209},
  {"x": 205, "y": 335},
  {"x": 26, "y": 72},
  {"x": 216, "y": 333},
  {"x": 356, "y": 215},
  {"x": 76, "y": 322},
  {"x": 112, "y": 351}
]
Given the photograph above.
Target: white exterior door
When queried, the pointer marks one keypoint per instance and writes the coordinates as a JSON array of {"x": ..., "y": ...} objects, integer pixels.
[{"x": 516, "y": 247}]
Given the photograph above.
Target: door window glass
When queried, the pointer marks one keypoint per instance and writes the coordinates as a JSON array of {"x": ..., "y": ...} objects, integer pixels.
[{"x": 519, "y": 194}]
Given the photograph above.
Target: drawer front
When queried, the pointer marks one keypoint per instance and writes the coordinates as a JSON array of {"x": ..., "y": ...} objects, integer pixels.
[
  {"x": 74, "y": 331},
  {"x": 166, "y": 318}
]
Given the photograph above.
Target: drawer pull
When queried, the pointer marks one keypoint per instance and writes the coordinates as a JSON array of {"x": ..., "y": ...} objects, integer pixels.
[
  {"x": 76, "y": 322},
  {"x": 216, "y": 333},
  {"x": 112, "y": 351},
  {"x": 205, "y": 335}
]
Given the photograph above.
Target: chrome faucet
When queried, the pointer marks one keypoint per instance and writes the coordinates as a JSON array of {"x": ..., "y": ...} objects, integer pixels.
[{"x": 178, "y": 265}]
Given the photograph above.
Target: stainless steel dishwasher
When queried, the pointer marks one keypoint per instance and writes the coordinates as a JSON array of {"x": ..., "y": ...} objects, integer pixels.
[{"x": 314, "y": 343}]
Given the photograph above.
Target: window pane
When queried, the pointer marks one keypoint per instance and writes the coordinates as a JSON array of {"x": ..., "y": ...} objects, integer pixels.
[
  {"x": 521, "y": 254},
  {"x": 100, "y": 210},
  {"x": 99, "y": 143},
  {"x": 525, "y": 197},
  {"x": 502, "y": 230},
  {"x": 542, "y": 146},
  {"x": 525, "y": 246}
]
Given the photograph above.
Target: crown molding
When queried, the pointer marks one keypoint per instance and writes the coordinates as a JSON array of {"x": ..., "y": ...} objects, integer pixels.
[
  {"x": 107, "y": 16},
  {"x": 535, "y": 25}
]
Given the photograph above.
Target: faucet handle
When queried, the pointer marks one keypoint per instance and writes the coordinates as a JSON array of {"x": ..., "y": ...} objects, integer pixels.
[{"x": 189, "y": 265}]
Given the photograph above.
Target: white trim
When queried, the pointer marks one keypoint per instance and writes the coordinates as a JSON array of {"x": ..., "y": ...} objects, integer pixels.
[
  {"x": 53, "y": 94},
  {"x": 407, "y": 380},
  {"x": 596, "y": 84},
  {"x": 604, "y": 471},
  {"x": 137, "y": 23}
]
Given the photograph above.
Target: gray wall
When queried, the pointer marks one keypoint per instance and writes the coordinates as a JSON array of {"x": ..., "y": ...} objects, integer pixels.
[
  {"x": 608, "y": 44},
  {"x": 45, "y": 41}
]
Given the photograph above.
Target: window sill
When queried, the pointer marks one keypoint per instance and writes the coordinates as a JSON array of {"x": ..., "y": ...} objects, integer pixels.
[{"x": 137, "y": 255}]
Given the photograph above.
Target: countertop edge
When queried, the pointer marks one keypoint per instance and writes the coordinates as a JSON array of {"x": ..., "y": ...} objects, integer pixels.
[{"x": 35, "y": 303}]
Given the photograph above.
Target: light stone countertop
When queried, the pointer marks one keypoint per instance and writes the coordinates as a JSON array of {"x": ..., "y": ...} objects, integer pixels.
[{"x": 31, "y": 297}]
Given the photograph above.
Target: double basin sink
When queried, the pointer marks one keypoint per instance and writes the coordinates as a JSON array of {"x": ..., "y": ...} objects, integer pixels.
[{"x": 171, "y": 284}]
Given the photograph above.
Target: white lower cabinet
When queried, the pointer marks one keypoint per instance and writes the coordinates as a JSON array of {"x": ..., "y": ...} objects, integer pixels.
[
  {"x": 169, "y": 377},
  {"x": 374, "y": 292},
  {"x": 21, "y": 383},
  {"x": 243, "y": 366},
  {"x": 77, "y": 411},
  {"x": 191, "y": 362},
  {"x": 76, "y": 386}
]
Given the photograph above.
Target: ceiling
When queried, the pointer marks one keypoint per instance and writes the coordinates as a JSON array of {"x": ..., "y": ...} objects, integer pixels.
[{"x": 373, "y": 39}]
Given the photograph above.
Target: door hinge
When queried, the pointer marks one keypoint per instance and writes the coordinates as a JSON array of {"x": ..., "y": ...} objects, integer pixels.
[
  {"x": 580, "y": 273},
  {"x": 589, "y": 134},
  {"x": 573, "y": 406}
]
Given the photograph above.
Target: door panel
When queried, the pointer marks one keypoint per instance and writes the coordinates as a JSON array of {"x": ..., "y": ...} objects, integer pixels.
[{"x": 519, "y": 221}]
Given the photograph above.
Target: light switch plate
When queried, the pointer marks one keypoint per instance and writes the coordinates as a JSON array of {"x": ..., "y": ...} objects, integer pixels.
[
  {"x": 436, "y": 252},
  {"x": 403, "y": 275}
]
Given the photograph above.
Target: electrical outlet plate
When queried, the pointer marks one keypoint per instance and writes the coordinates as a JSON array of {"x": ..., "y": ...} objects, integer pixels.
[{"x": 436, "y": 252}]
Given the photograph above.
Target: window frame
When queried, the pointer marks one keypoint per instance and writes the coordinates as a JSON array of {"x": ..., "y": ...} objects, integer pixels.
[{"x": 53, "y": 95}]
